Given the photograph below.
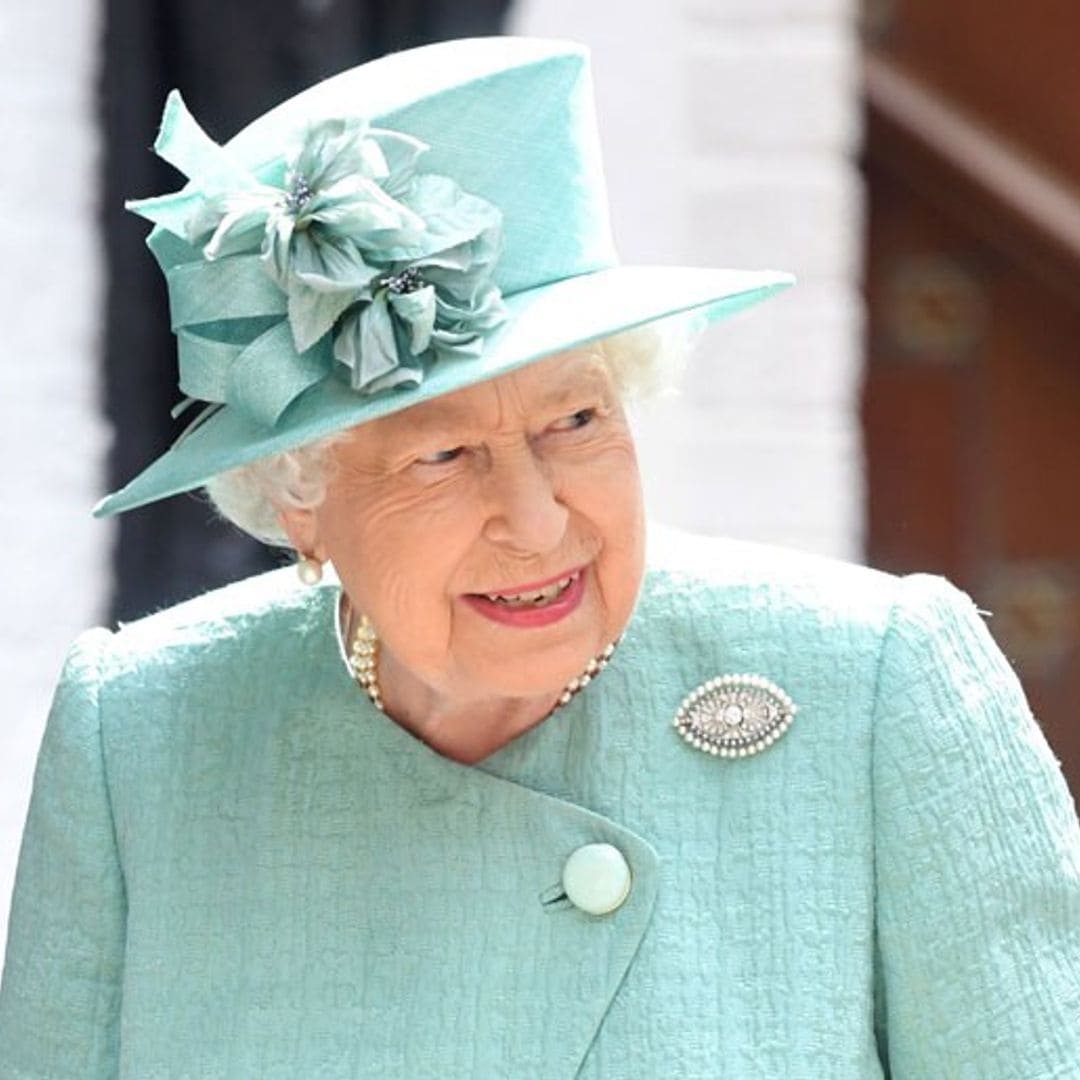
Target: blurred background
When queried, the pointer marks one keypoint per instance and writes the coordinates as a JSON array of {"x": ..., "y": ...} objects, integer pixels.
[{"x": 914, "y": 403}]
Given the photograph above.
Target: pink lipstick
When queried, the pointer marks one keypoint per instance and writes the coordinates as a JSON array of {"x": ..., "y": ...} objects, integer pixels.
[{"x": 540, "y": 603}]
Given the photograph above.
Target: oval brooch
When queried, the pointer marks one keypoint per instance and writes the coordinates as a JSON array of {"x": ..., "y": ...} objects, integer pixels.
[{"x": 735, "y": 715}]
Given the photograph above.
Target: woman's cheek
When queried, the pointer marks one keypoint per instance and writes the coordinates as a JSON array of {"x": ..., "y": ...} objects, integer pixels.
[{"x": 611, "y": 481}]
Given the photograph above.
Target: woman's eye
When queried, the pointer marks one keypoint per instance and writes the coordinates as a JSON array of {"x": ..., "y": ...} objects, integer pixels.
[
  {"x": 441, "y": 457},
  {"x": 581, "y": 418}
]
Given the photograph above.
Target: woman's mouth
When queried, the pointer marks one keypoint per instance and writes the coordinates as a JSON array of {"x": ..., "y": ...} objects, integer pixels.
[
  {"x": 533, "y": 605},
  {"x": 535, "y": 598}
]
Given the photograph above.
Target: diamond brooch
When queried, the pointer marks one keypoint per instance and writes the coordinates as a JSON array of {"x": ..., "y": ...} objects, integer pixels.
[{"x": 735, "y": 715}]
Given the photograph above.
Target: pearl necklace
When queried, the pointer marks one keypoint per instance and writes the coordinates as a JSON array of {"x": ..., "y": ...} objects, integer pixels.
[{"x": 364, "y": 665}]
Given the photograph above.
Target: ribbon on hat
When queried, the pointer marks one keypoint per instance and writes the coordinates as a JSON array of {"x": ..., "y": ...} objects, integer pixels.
[{"x": 339, "y": 252}]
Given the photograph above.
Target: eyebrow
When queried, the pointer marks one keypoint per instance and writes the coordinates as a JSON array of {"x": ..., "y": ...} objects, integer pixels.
[
  {"x": 584, "y": 379},
  {"x": 570, "y": 390},
  {"x": 437, "y": 417},
  {"x": 442, "y": 417}
]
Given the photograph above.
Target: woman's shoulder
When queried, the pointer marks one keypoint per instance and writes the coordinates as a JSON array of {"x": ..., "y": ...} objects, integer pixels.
[
  {"x": 241, "y": 611},
  {"x": 190, "y": 689},
  {"x": 214, "y": 635},
  {"x": 703, "y": 576},
  {"x": 740, "y": 590}
]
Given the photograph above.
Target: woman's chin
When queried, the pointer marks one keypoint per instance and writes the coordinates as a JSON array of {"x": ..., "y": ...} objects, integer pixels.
[
  {"x": 539, "y": 660},
  {"x": 541, "y": 672}
]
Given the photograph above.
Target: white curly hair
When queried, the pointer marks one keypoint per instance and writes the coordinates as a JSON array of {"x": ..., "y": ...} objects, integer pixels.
[{"x": 644, "y": 363}]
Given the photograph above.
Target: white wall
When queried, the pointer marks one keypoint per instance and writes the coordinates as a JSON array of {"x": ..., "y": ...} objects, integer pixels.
[
  {"x": 51, "y": 442},
  {"x": 728, "y": 130}
]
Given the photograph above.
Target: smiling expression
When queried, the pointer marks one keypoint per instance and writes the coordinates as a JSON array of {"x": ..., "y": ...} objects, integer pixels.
[{"x": 493, "y": 536}]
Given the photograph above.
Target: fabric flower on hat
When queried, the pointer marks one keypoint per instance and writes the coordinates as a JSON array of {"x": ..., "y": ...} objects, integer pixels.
[
  {"x": 437, "y": 294},
  {"x": 391, "y": 266}
]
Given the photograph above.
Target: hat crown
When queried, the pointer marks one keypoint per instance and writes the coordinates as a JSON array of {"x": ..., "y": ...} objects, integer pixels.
[{"x": 511, "y": 120}]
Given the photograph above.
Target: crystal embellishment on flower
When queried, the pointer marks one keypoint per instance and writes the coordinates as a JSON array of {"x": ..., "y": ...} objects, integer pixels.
[
  {"x": 735, "y": 715},
  {"x": 383, "y": 268}
]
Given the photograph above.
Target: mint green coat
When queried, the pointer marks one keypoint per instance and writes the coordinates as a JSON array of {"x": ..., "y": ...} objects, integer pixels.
[{"x": 234, "y": 867}]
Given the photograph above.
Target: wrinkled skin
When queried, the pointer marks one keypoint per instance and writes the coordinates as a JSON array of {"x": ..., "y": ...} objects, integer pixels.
[{"x": 520, "y": 479}]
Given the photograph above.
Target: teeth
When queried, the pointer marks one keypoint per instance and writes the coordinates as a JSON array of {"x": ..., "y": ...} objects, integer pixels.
[{"x": 536, "y": 598}]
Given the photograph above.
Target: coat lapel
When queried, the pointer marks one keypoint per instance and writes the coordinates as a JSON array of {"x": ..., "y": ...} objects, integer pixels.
[{"x": 466, "y": 949}]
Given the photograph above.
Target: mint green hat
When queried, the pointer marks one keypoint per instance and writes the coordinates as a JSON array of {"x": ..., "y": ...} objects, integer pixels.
[{"x": 408, "y": 228}]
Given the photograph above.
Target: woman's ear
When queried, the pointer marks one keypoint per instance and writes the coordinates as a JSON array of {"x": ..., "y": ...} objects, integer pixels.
[{"x": 302, "y": 529}]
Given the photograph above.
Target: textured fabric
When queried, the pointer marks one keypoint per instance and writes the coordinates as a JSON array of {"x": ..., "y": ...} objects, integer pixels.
[{"x": 235, "y": 867}]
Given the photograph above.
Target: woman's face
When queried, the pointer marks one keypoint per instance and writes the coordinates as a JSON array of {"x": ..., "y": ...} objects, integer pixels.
[{"x": 440, "y": 517}]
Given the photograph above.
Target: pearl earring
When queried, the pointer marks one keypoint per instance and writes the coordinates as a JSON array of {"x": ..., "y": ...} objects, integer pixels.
[{"x": 309, "y": 569}]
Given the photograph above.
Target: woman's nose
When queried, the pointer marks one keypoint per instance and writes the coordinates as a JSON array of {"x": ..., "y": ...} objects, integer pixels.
[{"x": 525, "y": 513}]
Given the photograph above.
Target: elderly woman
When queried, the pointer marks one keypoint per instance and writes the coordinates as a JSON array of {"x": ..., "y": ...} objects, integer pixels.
[{"x": 492, "y": 799}]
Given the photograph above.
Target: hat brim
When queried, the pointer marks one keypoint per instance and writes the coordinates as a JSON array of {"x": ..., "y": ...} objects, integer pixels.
[{"x": 543, "y": 321}]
